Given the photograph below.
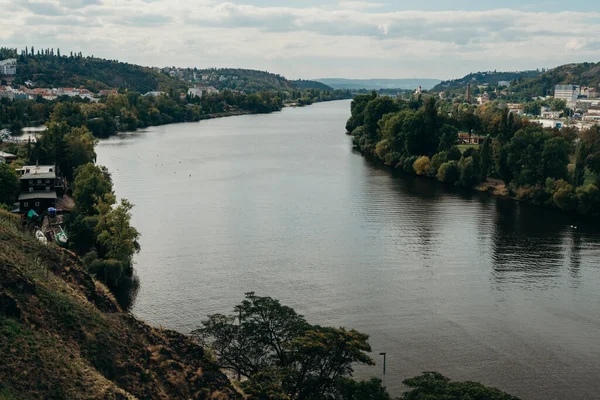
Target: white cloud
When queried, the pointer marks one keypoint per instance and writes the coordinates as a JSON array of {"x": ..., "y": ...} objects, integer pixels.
[{"x": 355, "y": 39}]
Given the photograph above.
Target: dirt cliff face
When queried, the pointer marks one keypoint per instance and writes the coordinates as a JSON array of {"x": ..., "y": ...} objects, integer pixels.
[{"x": 63, "y": 336}]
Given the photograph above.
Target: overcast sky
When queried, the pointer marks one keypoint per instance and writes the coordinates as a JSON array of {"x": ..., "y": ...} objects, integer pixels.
[{"x": 315, "y": 38}]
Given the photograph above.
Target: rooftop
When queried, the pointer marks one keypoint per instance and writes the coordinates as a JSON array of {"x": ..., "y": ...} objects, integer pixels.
[
  {"x": 42, "y": 175},
  {"x": 7, "y": 155},
  {"x": 37, "y": 195}
]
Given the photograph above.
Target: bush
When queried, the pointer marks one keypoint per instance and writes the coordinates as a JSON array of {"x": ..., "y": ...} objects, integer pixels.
[
  {"x": 468, "y": 174},
  {"x": 564, "y": 196},
  {"x": 588, "y": 199},
  {"x": 449, "y": 172},
  {"x": 422, "y": 166},
  {"x": 454, "y": 154},
  {"x": 408, "y": 164},
  {"x": 531, "y": 194},
  {"x": 438, "y": 159}
]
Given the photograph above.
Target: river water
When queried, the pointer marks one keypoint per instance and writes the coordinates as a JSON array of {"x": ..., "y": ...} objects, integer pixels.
[{"x": 475, "y": 287}]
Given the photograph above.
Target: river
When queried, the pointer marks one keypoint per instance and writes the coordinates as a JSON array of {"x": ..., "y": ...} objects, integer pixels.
[{"x": 475, "y": 287}]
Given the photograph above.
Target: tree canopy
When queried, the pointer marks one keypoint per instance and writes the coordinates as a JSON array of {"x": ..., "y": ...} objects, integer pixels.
[{"x": 281, "y": 355}]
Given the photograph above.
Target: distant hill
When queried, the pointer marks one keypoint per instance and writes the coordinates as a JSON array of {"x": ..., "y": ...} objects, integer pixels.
[
  {"x": 374, "y": 84},
  {"x": 305, "y": 84},
  {"x": 52, "y": 69},
  {"x": 584, "y": 74},
  {"x": 247, "y": 80},
  {"x": 482, "y": 78}
]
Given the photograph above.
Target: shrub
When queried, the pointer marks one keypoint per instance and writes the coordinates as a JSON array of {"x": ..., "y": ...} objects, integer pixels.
[
  {"x": 468, "y": 174},
  {"x": 449, "y": 172},
  {"x": 438, "y": 160},
  {"x": 454, "y": 154},
  {"x": 408, "y": 164},
  {"x": 564, "y": 196},
  {"x": 588, "y": 199},
  {"x": 422, "y": 166}
]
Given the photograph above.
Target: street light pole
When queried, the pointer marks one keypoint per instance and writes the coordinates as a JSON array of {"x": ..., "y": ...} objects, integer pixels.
[{"x": 384, "y": 359}]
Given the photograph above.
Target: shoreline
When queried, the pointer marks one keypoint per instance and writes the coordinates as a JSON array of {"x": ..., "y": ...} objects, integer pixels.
[
  {"x": 32, "y": 132},
  {"x": 491, "y": 186}
]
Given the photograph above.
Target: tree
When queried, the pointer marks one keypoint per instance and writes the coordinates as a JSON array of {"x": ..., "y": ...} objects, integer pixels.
[
  {"x": 449, "y": 172},
  {"x": 91, "y": 184},
  {"x": 449, "y": 138},
  {"x": 468, "y": 173},
  {"x": 80, "y": 145},
  {"x": 373, "y": 389},
  {"x": 555, "y": 157},
  {"x": 280, "y": 353},
  {"x": 422, "y": 166},
  {"x": 117, "y": 239},
  {"x": 9, "y": 184},
  {"x": 432, "y": 385},
  {"x": 485, "y": 161},
  {"x": 454, "y": 154}
]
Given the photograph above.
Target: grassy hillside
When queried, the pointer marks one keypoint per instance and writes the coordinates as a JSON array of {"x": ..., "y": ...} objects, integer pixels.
[
  {"x": 584, "y": 74},
  {"x": 481, "y": 78},
  {"x": 62, "y": 336},
  {"x": 52, "y": 70}
]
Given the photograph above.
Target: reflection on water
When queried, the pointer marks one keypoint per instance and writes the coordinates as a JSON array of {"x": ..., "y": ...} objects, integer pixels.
[
  {"x": 476, "y": 287},
  {"x": 127, "y": 292}
]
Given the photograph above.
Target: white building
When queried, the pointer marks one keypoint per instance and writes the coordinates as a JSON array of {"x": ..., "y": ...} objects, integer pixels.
[
  {"x": 8, "y": 67},
  {"x": 546, "y": 112},
  {"x": 154, "y": 94},
  {"x": 484, "y": 98},
  {"x": 504, "y": 84},
  {"x": 202, "y": 90},
  {"x": 195, "y": 92},
  {"x": 567, "y": 92}
]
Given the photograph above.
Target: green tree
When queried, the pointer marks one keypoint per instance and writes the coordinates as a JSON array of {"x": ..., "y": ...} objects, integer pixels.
[
  {"x": 555, "y": 157},
  {"x": 117, "y": 239},
  {"x": 468, "y": 173},
  {"x": 9, "y": 184},
  {"x": 91, "y": 184},
  {"x": 449, "y": 172},
  {"x": 485, "y": 161},
  {"x": 454, "y": 154},
  {"x": 422, "y": 166},
  {"x": 434, "y": 386},
  {"x": 449, "y": 138},
  {"x": 281, "y": 354},
  {"x": 80, "y": 146},
  {"x": 373, "y": 389}
]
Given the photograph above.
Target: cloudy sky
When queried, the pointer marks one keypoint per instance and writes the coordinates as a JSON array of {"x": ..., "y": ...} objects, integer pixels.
[{"x": 315, "y": 38}]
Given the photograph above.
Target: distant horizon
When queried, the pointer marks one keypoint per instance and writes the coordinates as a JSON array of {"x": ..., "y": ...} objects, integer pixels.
[
  {"x": 66, "y": 52},
  {"x": 310, "y": 38}
]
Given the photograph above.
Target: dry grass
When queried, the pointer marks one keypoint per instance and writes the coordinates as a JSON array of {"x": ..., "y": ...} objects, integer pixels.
[{"x": 63, "y": 336}]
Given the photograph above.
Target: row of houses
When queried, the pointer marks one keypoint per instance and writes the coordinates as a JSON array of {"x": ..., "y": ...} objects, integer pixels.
[
  {"x": 28, "y": 93},
  {"x": 573, "y": 93}
]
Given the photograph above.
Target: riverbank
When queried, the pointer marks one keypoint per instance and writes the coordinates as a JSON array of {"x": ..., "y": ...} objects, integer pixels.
[{"x": 540, "y": 166}]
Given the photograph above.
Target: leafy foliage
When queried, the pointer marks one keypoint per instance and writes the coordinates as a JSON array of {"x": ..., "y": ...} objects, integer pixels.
[
  {"x": 282, "y": 355},
  {"x": 434, "y": 386},
  {"x": 419, "y": 136},
  {"x": 10, "y": 184}
]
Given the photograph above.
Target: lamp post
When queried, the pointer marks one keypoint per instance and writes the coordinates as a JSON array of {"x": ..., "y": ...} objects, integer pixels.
[{"x": 384, "y": 359}]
